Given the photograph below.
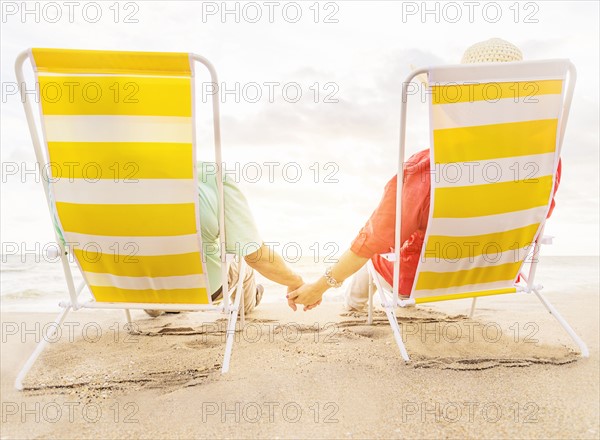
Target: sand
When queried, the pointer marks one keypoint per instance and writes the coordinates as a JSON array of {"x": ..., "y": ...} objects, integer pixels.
[
  {"x": 310, "y": 375},
  {"x": 510, "y": 372}
]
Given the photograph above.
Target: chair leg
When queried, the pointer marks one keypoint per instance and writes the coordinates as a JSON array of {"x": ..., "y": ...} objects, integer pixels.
[
  {"x": 39, "y": 349},
  {"x": 582, "y": 347},
  {"x": 128, "y": 316},
  {"x": 370, "y": 315},
  {"x": 233, "y": 316},
  {"x": 231, "y": 323},
  {"x": 391, "y": 315},
  {"x": 242, "y": 307},
  {"x": 240, "y": 291},
  {"x": 473, "y": 303}
]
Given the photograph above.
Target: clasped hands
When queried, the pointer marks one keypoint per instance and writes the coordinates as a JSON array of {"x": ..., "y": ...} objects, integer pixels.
[{"x": 309, "y": 295}]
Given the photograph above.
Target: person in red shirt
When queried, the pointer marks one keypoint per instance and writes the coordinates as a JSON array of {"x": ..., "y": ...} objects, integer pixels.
[{"x": 377, "y": 236}]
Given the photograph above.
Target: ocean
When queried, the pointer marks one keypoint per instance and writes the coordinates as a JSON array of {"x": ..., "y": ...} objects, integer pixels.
[{"x": 33, "y": 284}]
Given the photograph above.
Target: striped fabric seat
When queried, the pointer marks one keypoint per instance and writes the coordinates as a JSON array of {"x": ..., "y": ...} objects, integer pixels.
[
  {"x": 495, "y": 150},
  {"x": 496, "y": 135},
  {"x": 117, "y": 143},
  {"x": 119, "y": 130}
]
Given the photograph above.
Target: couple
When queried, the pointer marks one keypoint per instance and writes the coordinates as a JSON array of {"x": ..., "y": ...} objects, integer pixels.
[{"x": 375, "y": 238}]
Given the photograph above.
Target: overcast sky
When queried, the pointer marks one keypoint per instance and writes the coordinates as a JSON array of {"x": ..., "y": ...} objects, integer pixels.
[{"x": 352, "y": 62}]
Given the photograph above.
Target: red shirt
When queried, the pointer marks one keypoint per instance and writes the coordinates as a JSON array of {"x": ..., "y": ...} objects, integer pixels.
[{"x": 378, "y": 235}]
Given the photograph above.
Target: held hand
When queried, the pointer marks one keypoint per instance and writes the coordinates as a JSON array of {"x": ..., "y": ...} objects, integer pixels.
[
  {"x": 290, "y": 289},
  {"x": 290, "y": 300},
  {"x": 312, "y": 306},
  {"x": 310, "y": 295}
]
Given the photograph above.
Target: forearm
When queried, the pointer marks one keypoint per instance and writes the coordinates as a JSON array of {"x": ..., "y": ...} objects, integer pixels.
[
  {"x": 271, "y": 265},
  {"x": 348, "y": 264}
]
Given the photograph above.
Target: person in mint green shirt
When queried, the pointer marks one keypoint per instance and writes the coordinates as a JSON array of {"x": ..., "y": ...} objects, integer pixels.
[{"x": 242, "y": 239}]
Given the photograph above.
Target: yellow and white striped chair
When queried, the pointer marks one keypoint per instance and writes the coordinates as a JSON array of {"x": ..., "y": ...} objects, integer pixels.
[
  {"x": 118, "y": 140},
  {"x": 496, "y": 136}
]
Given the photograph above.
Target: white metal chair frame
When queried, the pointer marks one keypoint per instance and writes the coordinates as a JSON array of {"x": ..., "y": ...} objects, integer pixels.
[
  {"x": 390, "y": 300},
  {"x": 226, "y": 307}
]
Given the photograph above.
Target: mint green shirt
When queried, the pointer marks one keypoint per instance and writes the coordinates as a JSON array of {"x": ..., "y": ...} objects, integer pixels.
[{"x": 242, "y": 237}]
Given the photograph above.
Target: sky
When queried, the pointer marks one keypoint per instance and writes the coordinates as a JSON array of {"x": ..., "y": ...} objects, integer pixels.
[{"x": 313, "y": 100}]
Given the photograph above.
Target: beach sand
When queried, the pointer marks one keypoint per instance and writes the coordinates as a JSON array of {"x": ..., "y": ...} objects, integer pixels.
[{"x": 511, "y": 371}]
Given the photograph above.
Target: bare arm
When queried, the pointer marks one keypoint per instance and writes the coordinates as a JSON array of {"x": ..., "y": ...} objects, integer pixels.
[{"x": 271, "y": 265}]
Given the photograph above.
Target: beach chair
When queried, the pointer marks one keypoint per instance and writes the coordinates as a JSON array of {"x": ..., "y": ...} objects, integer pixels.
[
  {"x": 117, "y": 140},
  {"x": 496, "y": 132}
]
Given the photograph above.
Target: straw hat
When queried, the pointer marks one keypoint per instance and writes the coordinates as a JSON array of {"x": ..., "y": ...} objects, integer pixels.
[{"x": 494, "y": 50}]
